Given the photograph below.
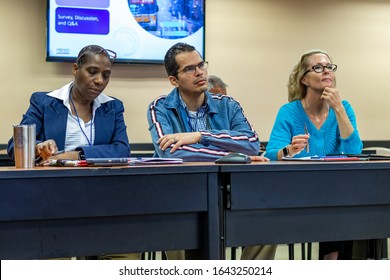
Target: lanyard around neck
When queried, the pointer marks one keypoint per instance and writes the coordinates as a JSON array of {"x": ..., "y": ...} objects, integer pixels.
[{"x": 78, "y": 121}]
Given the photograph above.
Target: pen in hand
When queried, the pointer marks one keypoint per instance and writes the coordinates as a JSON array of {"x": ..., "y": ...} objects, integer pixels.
[{"x": 306, "y": 133}]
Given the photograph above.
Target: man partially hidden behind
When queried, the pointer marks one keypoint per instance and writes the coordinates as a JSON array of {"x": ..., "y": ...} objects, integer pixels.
[{"x": 216, "y": 85}]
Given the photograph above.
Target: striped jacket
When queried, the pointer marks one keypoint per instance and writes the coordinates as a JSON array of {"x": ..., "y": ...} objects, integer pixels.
[{"x": 229, "y": 130}]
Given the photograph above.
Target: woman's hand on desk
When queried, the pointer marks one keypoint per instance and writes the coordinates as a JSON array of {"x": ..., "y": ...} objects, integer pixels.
[
  {"x": 46, "y": 149},
  {"x": 49, "y": 150}
]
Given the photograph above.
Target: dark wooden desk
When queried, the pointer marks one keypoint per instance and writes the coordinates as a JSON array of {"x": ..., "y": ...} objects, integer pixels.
[
  {"x": 279, "y": 202},
  {"x": 4, "y": 159},
  {"x": 61, "y": 212}
]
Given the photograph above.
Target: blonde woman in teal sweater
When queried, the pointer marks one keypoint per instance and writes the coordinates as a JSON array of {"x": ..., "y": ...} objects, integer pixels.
[{"x": 316, "y": 121}]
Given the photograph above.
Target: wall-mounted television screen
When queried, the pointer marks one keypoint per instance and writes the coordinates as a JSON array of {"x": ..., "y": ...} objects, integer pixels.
[{"x": 139, "y": 31}]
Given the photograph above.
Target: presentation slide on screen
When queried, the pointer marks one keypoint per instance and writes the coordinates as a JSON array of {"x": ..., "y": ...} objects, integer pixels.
[{"x": 137, "y": 30}]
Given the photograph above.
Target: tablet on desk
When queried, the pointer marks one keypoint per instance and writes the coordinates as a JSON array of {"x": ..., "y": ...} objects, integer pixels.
[
  {"x": 154, "y": 160},
  {"x": 378, "y": 157},
  {"x": 365, "y": 156},
  {"x": 107, "y": 161}
]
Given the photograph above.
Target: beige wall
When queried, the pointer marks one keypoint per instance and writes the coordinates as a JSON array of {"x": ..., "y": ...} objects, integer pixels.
[{"x": 251, "y": 44}]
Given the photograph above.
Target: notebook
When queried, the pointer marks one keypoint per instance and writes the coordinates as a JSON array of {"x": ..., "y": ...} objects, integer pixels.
[
  {"x": 324, "y": 158},
  {"x": 341, "y": 157}
]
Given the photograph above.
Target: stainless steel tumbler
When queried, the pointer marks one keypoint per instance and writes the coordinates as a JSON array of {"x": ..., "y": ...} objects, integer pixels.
[{"x": 24, "y": 145}]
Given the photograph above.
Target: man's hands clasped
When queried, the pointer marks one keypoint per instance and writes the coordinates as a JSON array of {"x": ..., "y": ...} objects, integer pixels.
[{"x": 178, "y": 140}]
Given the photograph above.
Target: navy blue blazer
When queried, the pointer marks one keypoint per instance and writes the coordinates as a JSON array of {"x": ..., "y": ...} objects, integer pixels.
[{"x": 50, "y": 117}]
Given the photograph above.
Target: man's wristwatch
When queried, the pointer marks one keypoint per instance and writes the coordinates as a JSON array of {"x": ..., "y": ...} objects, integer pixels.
[
  {"x": 81, "y": 154},
  {"x": 286, "y": 152}
]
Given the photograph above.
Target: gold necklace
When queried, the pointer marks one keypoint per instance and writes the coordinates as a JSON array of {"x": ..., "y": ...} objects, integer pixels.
[
  {"x": 318, "y": 125},
  {"x": 318, "y": 121}
]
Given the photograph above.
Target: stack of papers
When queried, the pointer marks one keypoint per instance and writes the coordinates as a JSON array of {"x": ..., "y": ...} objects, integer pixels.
[
  {"x": 325, "y": 158},
  {"x": 341, "y": 157}
]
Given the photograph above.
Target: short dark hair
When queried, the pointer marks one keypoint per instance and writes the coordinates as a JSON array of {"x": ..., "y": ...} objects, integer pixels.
[
  {"x": 170, "y": 63},
  {"x": 86, "y": 52}
]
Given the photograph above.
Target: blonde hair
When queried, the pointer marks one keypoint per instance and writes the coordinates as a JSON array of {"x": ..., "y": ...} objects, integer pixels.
[{"x": 297, "y": 90}]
